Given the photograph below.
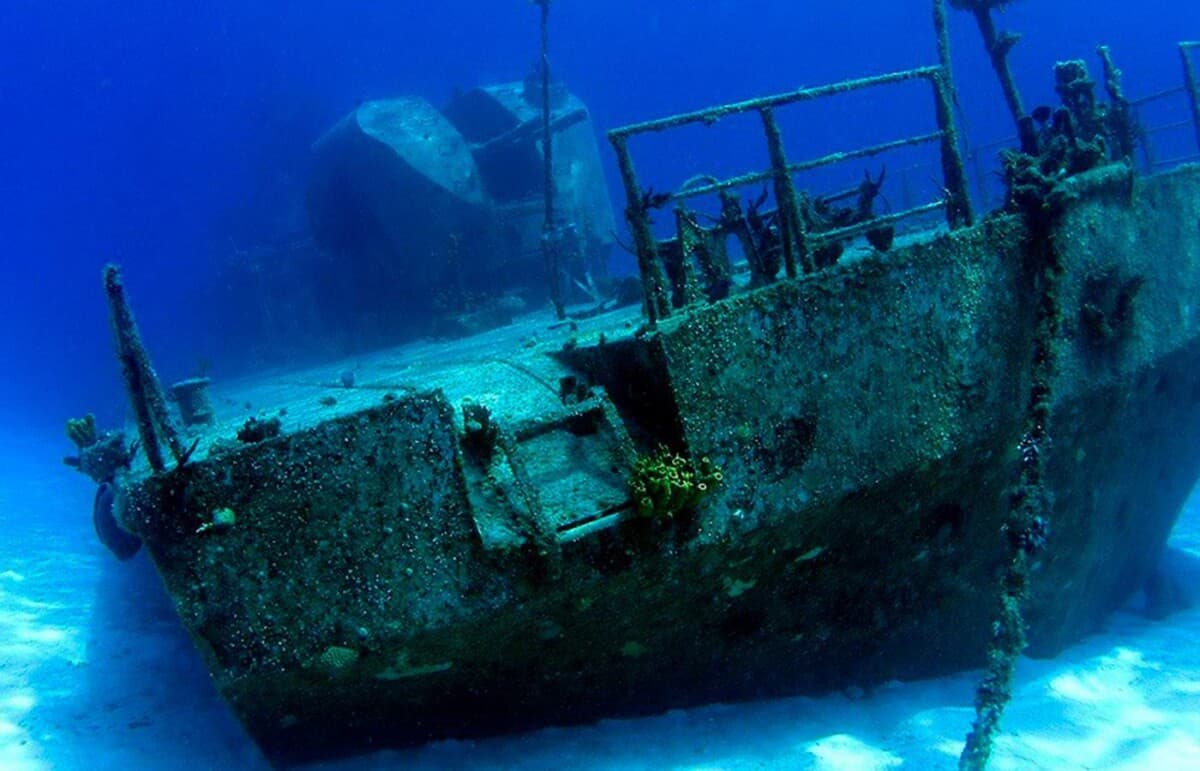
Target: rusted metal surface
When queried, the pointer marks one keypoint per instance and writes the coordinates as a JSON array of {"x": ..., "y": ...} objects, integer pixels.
[
  {"x": 394, "y": 577},
  {"x": 790, "y": 224}
]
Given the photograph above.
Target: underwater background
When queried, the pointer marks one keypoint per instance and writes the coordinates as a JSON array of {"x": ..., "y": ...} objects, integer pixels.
[{"x": 170, "y": 137}]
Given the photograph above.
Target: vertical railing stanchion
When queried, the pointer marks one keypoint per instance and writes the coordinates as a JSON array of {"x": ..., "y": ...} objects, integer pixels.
[
  {"x": 958, "y": 200},
  {"x": 653, "y": 280},
  {"x": 958, "y": 207},
  {"x": 791, "y": 225},
  {"x": 941, "y": 30}
]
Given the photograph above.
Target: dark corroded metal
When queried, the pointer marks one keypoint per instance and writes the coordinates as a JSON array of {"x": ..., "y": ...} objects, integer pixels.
[
  {"x": 941, "y": 30},
  {"x": 958, "y": 201},
  {"x": 791, "y": 225},
  {"x": 653, "y": 281},
  {"x": 940, "y": 329},
  {"x": 1192, "y": 81},
  {"x": 146, "y": 395},
  {"x": 708, "y": 247},
  {"x": 734, "y": 220},
  {"x": 1121, "y": 122}
]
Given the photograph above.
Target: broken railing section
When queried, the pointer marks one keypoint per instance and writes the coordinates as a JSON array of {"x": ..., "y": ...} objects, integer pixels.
[
  {"x": 1146, "y": 133},
  {"x": 1123, "y": 129},
  {"x": 146, "y": 395},
  {"x": 667, "y": 266},
  {"x": 1191, "y": 89},
  {"x": 1129, "y": 134},
  {"x": 998, "y": 44}
]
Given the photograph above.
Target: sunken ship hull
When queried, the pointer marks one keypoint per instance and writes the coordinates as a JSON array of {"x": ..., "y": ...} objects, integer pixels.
[{"x": 451, "y": 547}]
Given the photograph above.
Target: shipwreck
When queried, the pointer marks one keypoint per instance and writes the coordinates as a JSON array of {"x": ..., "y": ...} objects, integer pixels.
[{"x": 821, "y": 451}]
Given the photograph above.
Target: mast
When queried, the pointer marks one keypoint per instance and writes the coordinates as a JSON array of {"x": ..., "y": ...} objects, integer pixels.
[{"x": 549, "y": 230}]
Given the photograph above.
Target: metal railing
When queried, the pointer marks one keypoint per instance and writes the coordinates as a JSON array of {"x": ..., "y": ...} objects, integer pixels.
[
  {"x": 797, "y": 243},
  {"x": 1147, "y": 133},
  {"x": 1144, "y": 133}
]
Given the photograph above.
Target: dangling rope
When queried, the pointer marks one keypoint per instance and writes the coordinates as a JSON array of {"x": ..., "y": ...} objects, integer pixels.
[{"x": 1026, "y": 526}]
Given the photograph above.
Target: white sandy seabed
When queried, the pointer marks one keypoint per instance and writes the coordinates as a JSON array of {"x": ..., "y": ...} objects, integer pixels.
[{"x": 96, "y": 674}]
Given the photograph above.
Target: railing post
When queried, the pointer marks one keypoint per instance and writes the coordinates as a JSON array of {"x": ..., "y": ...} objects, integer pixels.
[
  {"x": 791, "y": 226},
  {"x": 1192, "y": 82},
  {"x": 954, "y": 176},
  {"x": 941, "y": 31},
  {"x": 653, "y": 281},
  {"x": 1121, "y": 122},
  {"x": 958, "y": 203},
  {"x": 997, "y": 45}
]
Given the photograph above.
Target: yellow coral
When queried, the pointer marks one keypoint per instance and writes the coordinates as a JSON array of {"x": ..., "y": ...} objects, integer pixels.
[{"x": 665, "y": 483}]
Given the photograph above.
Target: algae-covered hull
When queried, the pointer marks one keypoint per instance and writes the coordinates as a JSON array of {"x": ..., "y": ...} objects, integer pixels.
[{"x": 450, "y": 546}]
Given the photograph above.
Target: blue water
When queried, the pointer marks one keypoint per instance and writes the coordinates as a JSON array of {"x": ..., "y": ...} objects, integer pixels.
[{"x": 165, "y": 135}]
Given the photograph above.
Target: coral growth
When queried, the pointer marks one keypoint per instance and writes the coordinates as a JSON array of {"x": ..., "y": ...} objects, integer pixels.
[
  {"x": 82, "y": 431},
  {"x": 101, "y": 454},
  {"x": 255, "y": 430},
  {"x": 335, "y": 660},
  {"x": 1078, "y": 136},
  {"x": 664, "y": 483}
]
